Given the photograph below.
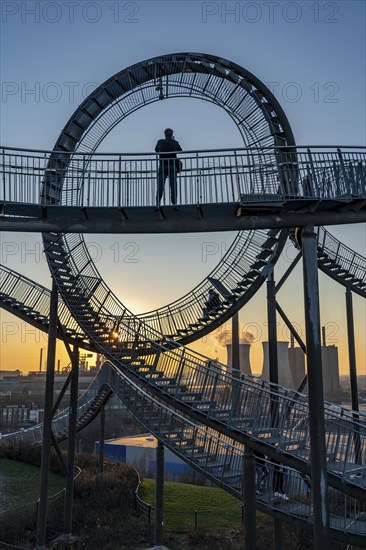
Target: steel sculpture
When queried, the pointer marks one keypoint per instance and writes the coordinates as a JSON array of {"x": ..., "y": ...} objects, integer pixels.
[{"x": 269, "y": 185}]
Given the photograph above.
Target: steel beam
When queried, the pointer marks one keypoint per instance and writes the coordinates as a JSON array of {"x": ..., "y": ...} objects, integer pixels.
[
  {"x": 315, "y": 389},
  {"x": 352, "y": 350},
  {"x": 235, "y": 362},
  {"x": 288, "y": 272},
  {"x": 272, "y": 328},
  {"x": 47, "y": 423},
  {"x": 235, "y": 355},
  {"x": 272, "y": 342},
  {"x": 249, "y": 496},
  {"x": 273, "y": 371},
  {"x": 101, "y": 438},
  {"x": 277, "y": 534},
  {"x": 71, "y": 443},
  {"x": 185, "y": 220},
  {"x": 289, "y": 325},
  {"x": 353, "y": 371}
]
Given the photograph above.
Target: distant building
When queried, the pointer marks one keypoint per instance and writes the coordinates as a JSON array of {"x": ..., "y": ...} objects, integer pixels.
[
  {"x": 140, "y": 451},
  {"x": 9, "y": 374},
  {"x": 20, "y": 415}
]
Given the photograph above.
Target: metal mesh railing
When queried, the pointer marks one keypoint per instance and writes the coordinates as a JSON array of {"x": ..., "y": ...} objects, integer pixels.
[
  {"x": 208, "y": 177},
  {"x": 353, "y": 263}
]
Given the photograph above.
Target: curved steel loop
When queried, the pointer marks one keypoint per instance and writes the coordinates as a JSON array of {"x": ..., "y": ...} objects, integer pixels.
[{"x": 261, "y": 122}]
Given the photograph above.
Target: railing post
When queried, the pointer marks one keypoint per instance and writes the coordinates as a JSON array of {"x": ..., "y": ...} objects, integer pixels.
[
  {"x": 159, "y": 497},
  {"x": 237, "y": 179},
  {"x": 197, "y": 180},
  {"x": 119, "y": 179},
  {"x": 4, "y": 181},
  {"x": 343, "y": 170},
  {"x": 314, "y": 180},
  {"x": 315, "y": 385},
  {"x": 213, "y": 396}
]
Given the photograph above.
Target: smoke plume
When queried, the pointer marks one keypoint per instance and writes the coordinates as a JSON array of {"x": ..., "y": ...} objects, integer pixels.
[{"x": 224, "y": 336}]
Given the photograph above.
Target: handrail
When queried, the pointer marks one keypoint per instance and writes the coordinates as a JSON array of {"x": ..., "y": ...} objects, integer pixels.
[
  {"x": 263, "y": 174},
  {"x": 153, "y": 153}
]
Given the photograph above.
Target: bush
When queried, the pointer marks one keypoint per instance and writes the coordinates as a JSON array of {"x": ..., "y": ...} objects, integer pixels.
[
  {"x": 104, "y": 510},
  {"x": 30, "y": 454}
]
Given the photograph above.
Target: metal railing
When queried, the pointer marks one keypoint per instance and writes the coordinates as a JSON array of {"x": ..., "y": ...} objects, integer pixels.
[
  {"x": 32, "y": 300},
  {"x": 353, "y": 264},
  {"x": 265, "y": 412},
  {"x": 246, "y": 404},
  {"x": 242, "y": 175},
  {"x": 239, "y": 272}
]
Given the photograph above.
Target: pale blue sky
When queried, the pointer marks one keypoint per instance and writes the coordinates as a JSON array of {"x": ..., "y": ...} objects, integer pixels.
[{"x": 310, "y": 54}]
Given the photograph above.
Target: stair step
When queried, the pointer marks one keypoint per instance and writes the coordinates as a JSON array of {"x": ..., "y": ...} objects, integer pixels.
[{"x": 269, "y": 243}]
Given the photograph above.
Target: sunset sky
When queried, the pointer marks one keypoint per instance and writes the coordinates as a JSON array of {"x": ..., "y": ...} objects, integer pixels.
[{"x": 310, "y": 54}]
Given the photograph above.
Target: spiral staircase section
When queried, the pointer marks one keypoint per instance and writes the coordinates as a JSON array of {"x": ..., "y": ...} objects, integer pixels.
[
  {"x": 206, "y": 392},
  {"x": 184, "y": 398},
  {"x": 240, "y": 408},
  {"x": 261, "y": 122},
  {"x": 30, "y": 302},
  {"x": 215, "y": 456},
  {"x": 341, "y": 263}
]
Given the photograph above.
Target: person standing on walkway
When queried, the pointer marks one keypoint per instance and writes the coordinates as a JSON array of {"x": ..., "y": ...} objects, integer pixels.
[{"x": 168, "y": 167}]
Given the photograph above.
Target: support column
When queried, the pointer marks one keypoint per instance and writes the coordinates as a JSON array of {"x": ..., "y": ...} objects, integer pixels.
[
  {"x": 235, "y": 354},
  {"x": 272, "y": 328},
  {"x": 249, "y": 496},
  {"x": 235, "y": 363},
  {"x": 71, "y": 444},
  {"x": 101, "y": 438},
  {"x": 315, "y": 384},
  {"x": 277, "y": 534},
  {"x": 47, "y": 423},
  {"x": 353, "y": 370},
  {"x": 272, "y": 342},
  {"x": 273, "y": 375},
  {"x": 159, "y": 497}
]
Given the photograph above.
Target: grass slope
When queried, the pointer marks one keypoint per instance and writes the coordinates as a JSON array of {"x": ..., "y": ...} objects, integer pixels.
[
  {"x": 19, "y": 484},
  {"x": 215, "y": 508}
]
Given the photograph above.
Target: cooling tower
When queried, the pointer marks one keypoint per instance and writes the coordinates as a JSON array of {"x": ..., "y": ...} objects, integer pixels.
[
  {"x": 244, "y": 350},
  {"x": 331, "y": 383},
  {"x": 297, "y": 365},
  {"x": 284, "y": 372}
]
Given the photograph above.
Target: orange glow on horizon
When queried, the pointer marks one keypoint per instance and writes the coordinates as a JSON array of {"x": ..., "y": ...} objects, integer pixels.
[{"x": 21, "y": 346}]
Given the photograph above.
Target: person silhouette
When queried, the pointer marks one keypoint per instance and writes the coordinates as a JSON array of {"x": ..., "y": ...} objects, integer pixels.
[
  {"x": 167, "y": 149},
  {"x": 213, "y": 302}
]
